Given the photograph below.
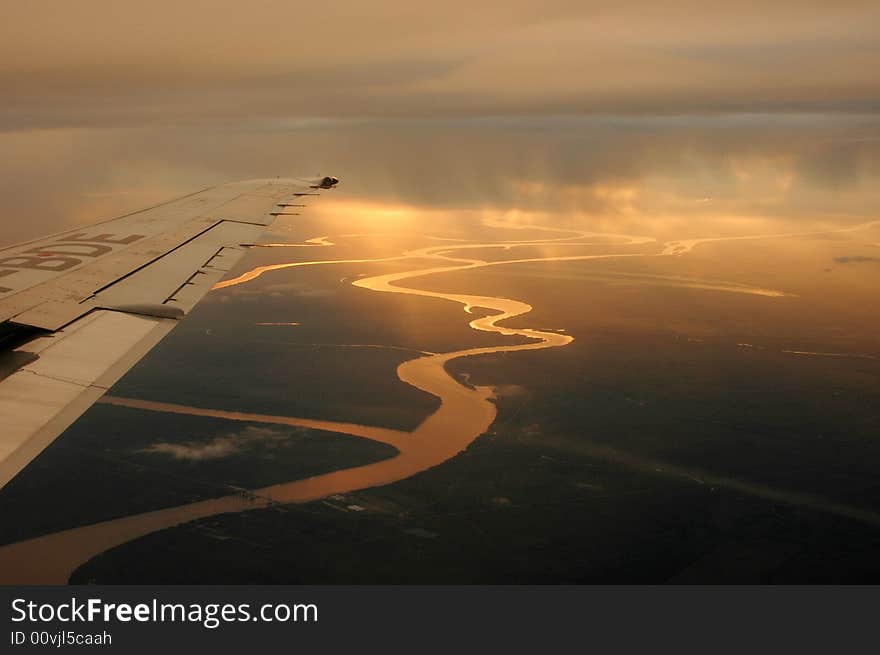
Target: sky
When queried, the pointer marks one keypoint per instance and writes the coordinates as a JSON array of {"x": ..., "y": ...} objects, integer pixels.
[
  {"x": 102, "y": 62},
  {"x": 768, "y": 107}
]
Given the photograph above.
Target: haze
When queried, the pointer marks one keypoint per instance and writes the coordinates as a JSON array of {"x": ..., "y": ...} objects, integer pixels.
[
  {"x": 670, "y": 208},
  {"x": 108, "y": 106}
]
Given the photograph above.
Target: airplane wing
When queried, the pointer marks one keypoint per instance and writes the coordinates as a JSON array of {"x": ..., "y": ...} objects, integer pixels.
[{"x": 79, "y": 308}]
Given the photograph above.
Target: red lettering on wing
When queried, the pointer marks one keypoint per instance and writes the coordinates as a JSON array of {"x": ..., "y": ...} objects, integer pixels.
[
  {"x": 53, "y": 263},
  {"x": 78, "y": 249}
]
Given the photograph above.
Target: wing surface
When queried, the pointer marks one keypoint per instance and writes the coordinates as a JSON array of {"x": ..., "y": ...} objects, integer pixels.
[{"x": 79, "y": 308}]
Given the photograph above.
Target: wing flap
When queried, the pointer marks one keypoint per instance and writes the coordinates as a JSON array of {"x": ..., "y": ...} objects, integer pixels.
[
  {"x": 72, "y": 266},
  {"x": 66, "y": 373},
  {"x": 51, "y": 315},
  {"x": 248, "y": 208},
  {"x": 189, "y": 265},
  {"x": 72, "y": 288},
  {"x": 106, "y": 294}
]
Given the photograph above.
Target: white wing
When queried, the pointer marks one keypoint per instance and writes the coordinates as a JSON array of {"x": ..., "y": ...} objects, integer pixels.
[{"x": 79, "y": 308}]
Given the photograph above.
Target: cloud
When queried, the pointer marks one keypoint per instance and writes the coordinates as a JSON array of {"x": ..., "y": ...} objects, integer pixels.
[
  {"x": 218, "y": 447},
  {"x": 510, "y": 390},
  {"x": 278, "y": 290},
  {"x": 100, "y": 62},
  {"x": 857, "y": 259},
  {"x": 568, "y": 167}
]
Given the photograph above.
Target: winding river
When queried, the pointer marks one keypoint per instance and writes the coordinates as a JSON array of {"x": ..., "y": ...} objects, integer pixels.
[{"x": 465, "y": 412}]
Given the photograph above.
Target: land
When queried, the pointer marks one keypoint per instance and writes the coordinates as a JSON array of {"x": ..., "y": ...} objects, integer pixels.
[{"x": 710, "y": 422}]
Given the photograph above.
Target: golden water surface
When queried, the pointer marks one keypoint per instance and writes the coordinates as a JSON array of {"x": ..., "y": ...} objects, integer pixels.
[{"x": 465, "y": 412}]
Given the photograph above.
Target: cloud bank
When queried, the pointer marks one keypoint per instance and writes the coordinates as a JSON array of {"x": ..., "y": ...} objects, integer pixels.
[
  {"x": 218, "y": 447},
  {"x": 98, "y": 62}
]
